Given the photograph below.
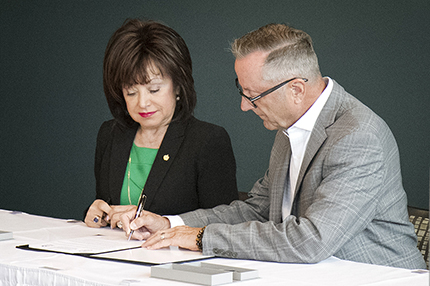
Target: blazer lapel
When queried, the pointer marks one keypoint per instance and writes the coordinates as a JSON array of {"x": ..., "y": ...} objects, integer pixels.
[
  {"x": 121, "y": 146},
  {"x": 281, "y": 157},
  {"x": 319, "y": 135},
  {"x": 172, "y": 141}
]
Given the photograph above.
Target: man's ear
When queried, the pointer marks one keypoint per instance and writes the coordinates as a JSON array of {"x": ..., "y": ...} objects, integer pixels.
[{"x": 298, "y": 89}]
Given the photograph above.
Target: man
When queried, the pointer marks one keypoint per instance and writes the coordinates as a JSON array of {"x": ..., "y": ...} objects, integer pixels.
[{"x": 333, "y": 187}]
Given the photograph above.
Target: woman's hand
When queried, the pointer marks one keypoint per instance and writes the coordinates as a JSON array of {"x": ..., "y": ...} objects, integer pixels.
[
  {"x": 101, "y": 214},
  {"x": 96, "y": 214},
  {"x": 143, "y": 226},
  {"x": 115, "y": 214},
  {"x": 182, "y": 236}
]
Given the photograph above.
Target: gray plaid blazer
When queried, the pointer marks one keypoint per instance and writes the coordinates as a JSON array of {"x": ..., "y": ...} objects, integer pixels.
[{"x": 349, "y": 202}]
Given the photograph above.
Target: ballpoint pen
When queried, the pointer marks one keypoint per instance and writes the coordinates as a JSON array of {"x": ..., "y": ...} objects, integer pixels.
[{"x": 139, "y": 210}]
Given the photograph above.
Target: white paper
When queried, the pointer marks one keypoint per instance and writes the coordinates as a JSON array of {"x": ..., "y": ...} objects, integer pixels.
[
  {"x": 158, "y": 256},
  {"x": 88, "y": 245}
]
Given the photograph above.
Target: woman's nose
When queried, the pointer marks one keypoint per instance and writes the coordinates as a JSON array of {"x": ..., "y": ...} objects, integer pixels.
[{"x": 144, "y": 100}]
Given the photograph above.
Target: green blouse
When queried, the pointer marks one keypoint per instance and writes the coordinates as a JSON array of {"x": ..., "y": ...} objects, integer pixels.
[{"x": 138, "y": 167}]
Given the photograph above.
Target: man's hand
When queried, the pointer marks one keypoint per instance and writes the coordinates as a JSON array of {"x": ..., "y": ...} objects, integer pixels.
[{"x": 182, "y": 236}]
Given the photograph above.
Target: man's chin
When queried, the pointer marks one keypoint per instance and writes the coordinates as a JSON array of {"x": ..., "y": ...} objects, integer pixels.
[{"x": 269, "y": 126}]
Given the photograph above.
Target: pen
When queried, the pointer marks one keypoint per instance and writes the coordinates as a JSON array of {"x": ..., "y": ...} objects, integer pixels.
[{"x": 140, "y": 206}]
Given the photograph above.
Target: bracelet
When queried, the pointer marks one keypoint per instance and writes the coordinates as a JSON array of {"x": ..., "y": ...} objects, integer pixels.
[{"x": 199, "y": 238}]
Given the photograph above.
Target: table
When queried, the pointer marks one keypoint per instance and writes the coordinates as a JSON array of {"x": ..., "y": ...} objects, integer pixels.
[{"x": 22, "y": 267}]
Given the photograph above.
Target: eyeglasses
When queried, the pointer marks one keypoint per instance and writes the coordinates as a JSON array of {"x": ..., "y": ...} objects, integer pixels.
[{"x": 253, "y": 99}]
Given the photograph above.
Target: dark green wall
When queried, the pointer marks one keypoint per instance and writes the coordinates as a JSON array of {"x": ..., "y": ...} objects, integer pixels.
[{"x": 52, "y": 101}]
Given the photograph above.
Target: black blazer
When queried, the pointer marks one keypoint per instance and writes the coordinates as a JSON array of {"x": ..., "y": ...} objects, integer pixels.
[{"x": 200, "y": 171}]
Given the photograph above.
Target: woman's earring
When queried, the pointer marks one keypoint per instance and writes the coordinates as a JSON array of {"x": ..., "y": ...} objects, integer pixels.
[{"x": 177, "y": 98}]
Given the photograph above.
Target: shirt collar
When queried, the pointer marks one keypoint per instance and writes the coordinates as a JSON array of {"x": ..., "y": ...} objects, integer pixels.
[{"x": 307, "y": 121}]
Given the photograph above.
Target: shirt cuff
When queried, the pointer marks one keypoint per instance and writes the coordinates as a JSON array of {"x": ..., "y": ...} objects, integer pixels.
[{"x": 175, "y": 220}]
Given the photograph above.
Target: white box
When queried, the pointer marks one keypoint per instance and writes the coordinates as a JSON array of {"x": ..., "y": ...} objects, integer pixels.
[
  {"x": 202, "y": 273},
  {"x": 239, "y": 274},
  {"x": 191, "y": 274}
]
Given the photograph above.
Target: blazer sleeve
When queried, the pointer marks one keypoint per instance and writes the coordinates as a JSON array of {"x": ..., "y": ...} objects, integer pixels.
[
  {"x": 216, "y": 177},
  {"x": 338, "y": 211},
  {"x": 101, "y": 146},
  {"x": 103, "y": 141}
]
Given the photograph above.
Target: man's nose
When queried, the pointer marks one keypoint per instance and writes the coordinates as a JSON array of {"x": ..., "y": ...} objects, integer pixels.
[{"x": 245, "y": 105}]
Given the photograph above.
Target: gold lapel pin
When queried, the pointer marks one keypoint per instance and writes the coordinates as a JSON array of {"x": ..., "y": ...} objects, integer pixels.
[{"x": 166, "y": 157}]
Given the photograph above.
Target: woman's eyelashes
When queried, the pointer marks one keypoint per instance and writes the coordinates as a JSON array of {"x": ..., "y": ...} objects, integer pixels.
[{"x": 151, "y": 89}]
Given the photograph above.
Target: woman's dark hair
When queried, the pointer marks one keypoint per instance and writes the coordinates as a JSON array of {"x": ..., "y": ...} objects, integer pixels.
[{"x": 141, "y": 46}]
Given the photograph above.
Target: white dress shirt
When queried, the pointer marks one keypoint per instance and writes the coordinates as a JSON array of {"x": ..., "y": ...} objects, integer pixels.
[{"x": 299, "y": 134}]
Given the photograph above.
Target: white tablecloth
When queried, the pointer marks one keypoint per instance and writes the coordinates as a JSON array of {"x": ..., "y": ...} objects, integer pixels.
[{"x": 22, "y": 267}]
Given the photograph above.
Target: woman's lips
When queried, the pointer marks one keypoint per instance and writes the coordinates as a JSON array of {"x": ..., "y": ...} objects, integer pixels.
[{"x": 146, "y": 114}]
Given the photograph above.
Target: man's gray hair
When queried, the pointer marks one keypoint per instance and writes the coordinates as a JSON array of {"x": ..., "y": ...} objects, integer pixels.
[{"x": 291, "y": 53}]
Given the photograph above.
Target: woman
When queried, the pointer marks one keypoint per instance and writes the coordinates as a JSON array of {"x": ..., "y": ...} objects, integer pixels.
[{"x": 154, "y": 144}]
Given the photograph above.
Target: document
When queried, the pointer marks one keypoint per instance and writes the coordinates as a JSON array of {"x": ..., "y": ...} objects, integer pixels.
[
  {"x": 87, "y": 245},
  {"x": 117, "y": 248},
  {"x": 159, "y": 256}
]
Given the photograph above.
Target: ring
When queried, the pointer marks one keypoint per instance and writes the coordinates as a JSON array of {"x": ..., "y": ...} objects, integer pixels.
[
  {"x": 162, "y": 236},
  {"x": 119, "y": 224},
  {"x": 96, "y": 219}
]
